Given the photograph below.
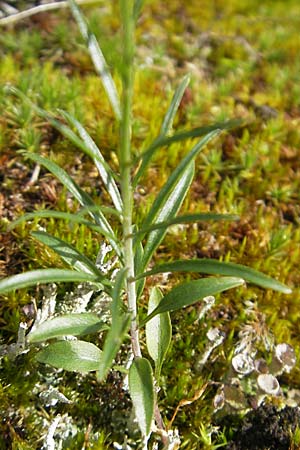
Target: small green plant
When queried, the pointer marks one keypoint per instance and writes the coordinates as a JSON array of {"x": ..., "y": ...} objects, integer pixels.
[{"x": 133, "y": 244}]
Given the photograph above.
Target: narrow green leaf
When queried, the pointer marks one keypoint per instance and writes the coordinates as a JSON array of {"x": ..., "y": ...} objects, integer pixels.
[
  {"x": 68, "y": 324},
  {"x": 103, "y": 168},
  {"x": 213, "y": 267},
  {"x": 188, "y": 293},
  {"x": 175, "y": 177},
  {"x": 158, "y": 332},
  {"x": 172, "y": 110},
  {"x": 98, "y": 60},
  {"x": 74, "y": 356},
  {"x": 141, "y": 388},
  {"x": 187, "y": 218},
  {"x": 43, "y": 276},
  {"x": 86, "y": 144},
  {"x": 168, "y": 207},
  {"x": 48, "y": 213},
  {"x": 82, "y": 197},
  {"x": 68, "y": 253},
  {"x": 120, "y": 322},
  {"x": 162, "y": 141},
  {"x": 138, "y": 258},
  {"x": 137, "y": 7}
]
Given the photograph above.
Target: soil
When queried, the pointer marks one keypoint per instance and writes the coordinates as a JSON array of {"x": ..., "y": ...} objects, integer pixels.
[{"x": 267, "y": 428}]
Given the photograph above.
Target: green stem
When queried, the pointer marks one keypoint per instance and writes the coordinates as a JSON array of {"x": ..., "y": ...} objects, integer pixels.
[{"x": 125, "y": 164}]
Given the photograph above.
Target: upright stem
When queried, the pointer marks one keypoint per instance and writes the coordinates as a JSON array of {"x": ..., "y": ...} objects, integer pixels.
[{"x": 125, "y": 163}]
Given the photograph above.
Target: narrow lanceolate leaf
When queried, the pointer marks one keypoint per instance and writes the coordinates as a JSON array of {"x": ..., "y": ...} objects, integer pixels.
[
  {"x": 120, "y": 322},
  {"x": 174, "y": 178},
  {"x": 98, "y": 60},
  {"x": 170, "y": 197},
  {"x": 68, "y": 253},
  {"x": 212, "y": 267},
  {"x": 187, "y": 218},
  {"x": 43, "y": 276},
  {"x": 49, "y": 213},
  {"x": 74, "y": 356},
  {"x": 138, "y": 258},
  {"x": 162, "y": 141},
  {"x": 82, "y": 197},
  {"x": 188, "y": 293},
  {"x": 68, "y": 324},
  {"x": 172, "y": 110},
  {"x": 103, "y": 168},
  {"x": 168, "y": 208},
  {"x": 141, "y": 390},
  {"x": 158, "y": 332}
]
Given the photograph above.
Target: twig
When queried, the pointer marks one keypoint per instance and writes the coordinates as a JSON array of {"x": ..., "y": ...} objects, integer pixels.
[{"x": 41, "y": 8}]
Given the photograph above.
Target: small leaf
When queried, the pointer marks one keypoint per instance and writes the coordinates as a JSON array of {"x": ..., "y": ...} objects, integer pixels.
[
  {"x": 43, "y": 276},
  {"x": 188, "y": 293},
  {"x": 68, "y": 253},
  {"x": 158, "y": 332},
  {"x": 162, "y": 141},
  {"x": 213, "y": 267},
  {"x": 98, "y": 60},
  {"x": 119, "y": 326},
  {"x": 74, "y": 356},
  {"x": 138, "y": 258},
  {"x": 68, "y": 324},
  {"x": 141, "y": 390},
  {"x": 172, "y": 110}
]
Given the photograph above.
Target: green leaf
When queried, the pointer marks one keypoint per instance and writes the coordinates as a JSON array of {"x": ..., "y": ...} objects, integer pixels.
[
  {"x": 138, "y": 258},
  {"x": 172, "y": 110},
  {"x": 82, "y": 197},
  {"x": 175, "y": 177},
  {"x": 187, "y": 218},
  {"x": 43, "y": 276},
  {"x": 69, "y": 254},
  {"x": 98, "y": 60},
  {"x": 48, "y": 213},
  {"x": 74, "y": 356},
  {"x": 119, "y": 326},
  {"x": 167, "y": 208},
  {"x": 68, "y": 324},
  {"x": 138, "y": 4},
  {"x": 162, "y": 141},
  {"x": 188, "y": 293},
  {"x": 103, "y": 168},
  {"x": 213, "y": 267},
  {"x": 158, "y": 332},
  {"x": 141, "y": 388}
]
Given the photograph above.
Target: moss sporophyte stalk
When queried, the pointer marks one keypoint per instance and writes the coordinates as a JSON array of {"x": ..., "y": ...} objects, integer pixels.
[{"x": 126, "y": 250}]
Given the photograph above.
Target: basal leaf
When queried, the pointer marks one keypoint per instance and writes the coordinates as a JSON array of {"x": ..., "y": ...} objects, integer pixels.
[
  {"x": 158, "y": 332},
  {"x": 141, "y": 388},
  {"x": 43, "y": 276},
  {"x": 188, "y": 293},
  {"x": 74, "y": 356},
  {"x": 98, "y": 60},
  {"x": 68, "y": 324},
  {"x": 213, "y": 267}
]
